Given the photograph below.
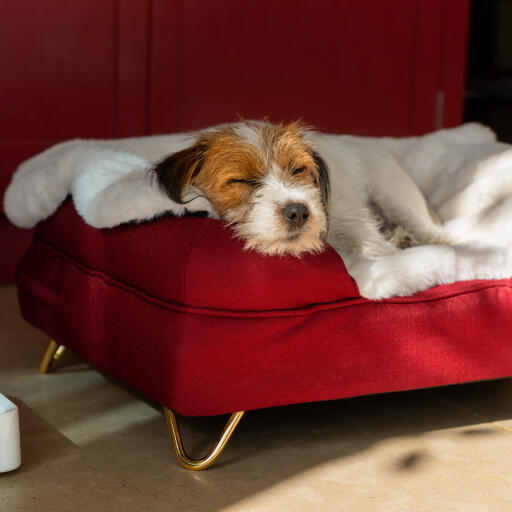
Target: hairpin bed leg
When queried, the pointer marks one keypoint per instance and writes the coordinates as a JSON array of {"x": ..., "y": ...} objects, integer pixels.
[
  {"x": 51, "y": 355},
  {"x": 54, "y": 352},
  {"x": 208, "y": 460}
]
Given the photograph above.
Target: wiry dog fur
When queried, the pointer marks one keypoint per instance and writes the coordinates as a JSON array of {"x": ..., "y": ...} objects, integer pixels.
[{"x": 251, "y": 171}]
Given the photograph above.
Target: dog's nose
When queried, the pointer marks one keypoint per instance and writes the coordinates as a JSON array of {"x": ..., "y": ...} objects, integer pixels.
[{"x": 296, "y": 214}]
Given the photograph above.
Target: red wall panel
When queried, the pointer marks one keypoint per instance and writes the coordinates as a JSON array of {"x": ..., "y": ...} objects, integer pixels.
[
  {"x": 118, "y": 68},
  {"x": 340, "y": 65},
  {"x": 165, "y": 64},
  {"x": 68, "y": 69},
  {"x": 71, "y": 69},
  {"x": 58, "y": 64},
  {"x": 379, "y": 68},
  {"x": 133, "y": 58},
  {"x": 453, "y": 71}
]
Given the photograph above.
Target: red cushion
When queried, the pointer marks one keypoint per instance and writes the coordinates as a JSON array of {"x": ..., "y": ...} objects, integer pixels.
[
  {"x": 197, "y": 262},
  {"x": 176, "y": 309}
]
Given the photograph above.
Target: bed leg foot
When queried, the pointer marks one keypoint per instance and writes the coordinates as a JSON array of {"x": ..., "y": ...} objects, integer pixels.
[
  {"x": 51, "y": 355},
  {"x": 208, "y": 460}
]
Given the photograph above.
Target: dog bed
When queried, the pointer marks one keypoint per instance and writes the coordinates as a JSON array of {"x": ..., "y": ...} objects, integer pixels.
[
  {"x": 178, "y": 310},
  {"x": 464, "y": 173}
]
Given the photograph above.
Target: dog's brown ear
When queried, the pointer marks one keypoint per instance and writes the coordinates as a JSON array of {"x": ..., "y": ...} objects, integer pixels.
[
  {"x": 175, "y": 172},
  {"x": 323, "y": 180}
]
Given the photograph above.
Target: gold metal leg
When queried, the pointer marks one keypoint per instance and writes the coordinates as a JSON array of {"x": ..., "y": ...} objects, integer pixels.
[
  {"x": 208, "y": 460},
  {"x": 51, "y": 355}
]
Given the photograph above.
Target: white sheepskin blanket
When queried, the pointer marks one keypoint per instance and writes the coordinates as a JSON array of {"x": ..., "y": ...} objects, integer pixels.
[{"x": 465, "y": 174}]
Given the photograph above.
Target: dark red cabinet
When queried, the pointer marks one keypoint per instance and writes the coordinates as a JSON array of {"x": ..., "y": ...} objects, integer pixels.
[{"x": 116, "y": 68}]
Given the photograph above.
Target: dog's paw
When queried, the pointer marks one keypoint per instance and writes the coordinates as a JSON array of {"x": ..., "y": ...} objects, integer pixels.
[{"x": 402, "y": 238}]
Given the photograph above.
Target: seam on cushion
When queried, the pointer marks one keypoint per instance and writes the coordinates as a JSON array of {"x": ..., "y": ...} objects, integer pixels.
[
  {"x": 44, "y": 294},
  {"x": 409, "y": 299},
  {"x": 184, "y": 272},
  {"x": 269, "y": 313},
  {"x": 355, "y": 288},
  {"x": 354, "y": 284},
  {"x": 314, "y": 308}
]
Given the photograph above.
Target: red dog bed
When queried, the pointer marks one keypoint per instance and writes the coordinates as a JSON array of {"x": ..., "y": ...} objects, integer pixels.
[{"x": 178, "y": 310}]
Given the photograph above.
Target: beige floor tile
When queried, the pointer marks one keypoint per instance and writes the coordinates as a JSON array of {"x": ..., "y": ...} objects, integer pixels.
[{"x": 91, "y": 444}]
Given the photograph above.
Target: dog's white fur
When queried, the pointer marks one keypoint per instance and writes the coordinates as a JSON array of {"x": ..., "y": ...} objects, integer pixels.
[
  {"x": 464, "y": 173},
  {"x": 364, "y": 171},
  {"x": 263, "y": 229},
  {"x": 109, "y": 184}
]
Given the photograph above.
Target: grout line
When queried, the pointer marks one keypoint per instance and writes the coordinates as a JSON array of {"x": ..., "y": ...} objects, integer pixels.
[
  {"x": 501, "y": 427},
  {"x": 38, "y": 374},
  {"x": 472, "y": 414}
]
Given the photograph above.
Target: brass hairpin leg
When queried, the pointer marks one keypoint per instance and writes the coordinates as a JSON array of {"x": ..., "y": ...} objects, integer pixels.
[
  {"x": 208, "y": 460},
  {"x": 51, "y": 355}
]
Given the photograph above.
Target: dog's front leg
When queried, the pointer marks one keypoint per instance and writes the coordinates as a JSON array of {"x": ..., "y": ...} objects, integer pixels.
[
  {"x": 401, "y": 202},
  {"x": 356, "y": 231}
]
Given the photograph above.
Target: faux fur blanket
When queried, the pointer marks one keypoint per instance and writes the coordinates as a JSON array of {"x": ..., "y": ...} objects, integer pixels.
[{"x": 465, "y": 174}]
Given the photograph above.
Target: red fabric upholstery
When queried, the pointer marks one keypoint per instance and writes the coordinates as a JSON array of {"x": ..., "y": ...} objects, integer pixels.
[
  {"x": 197, "y": 262},
  {"x": 14, "y": 243},
  {"x": 176, "y": 309}
]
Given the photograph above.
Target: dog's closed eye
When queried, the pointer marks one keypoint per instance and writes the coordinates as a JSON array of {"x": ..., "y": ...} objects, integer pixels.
[
  {"x": 298, "y": 171},
  {"x": 248, "y": 181}
]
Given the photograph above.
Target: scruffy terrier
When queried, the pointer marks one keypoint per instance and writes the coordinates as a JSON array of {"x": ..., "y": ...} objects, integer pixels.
[{"x": 282, "y": 186}]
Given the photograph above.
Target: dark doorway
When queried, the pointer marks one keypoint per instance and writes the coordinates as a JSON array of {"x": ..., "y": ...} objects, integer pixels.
[{"x": 489, "y": 72}]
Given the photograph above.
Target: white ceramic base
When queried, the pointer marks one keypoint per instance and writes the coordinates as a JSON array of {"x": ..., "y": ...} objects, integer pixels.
[{"x": 10, "y": 456}]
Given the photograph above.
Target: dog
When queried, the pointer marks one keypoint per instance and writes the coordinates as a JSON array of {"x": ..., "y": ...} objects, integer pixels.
[{"x": 287, "y": 189}]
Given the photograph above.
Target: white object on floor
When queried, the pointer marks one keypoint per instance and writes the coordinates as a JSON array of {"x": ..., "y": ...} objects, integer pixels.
[{"x": 10, "y": 456}]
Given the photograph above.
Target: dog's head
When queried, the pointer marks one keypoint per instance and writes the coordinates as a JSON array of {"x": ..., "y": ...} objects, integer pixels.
[{"x": 266, "y": 180}]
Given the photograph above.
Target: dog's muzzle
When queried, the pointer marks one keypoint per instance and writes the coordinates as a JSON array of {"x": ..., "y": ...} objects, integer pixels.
[{"x": 296, "y": 214}]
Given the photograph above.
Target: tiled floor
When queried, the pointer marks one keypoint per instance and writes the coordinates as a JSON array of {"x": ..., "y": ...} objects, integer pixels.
[{"x": 90, "y": 444}]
